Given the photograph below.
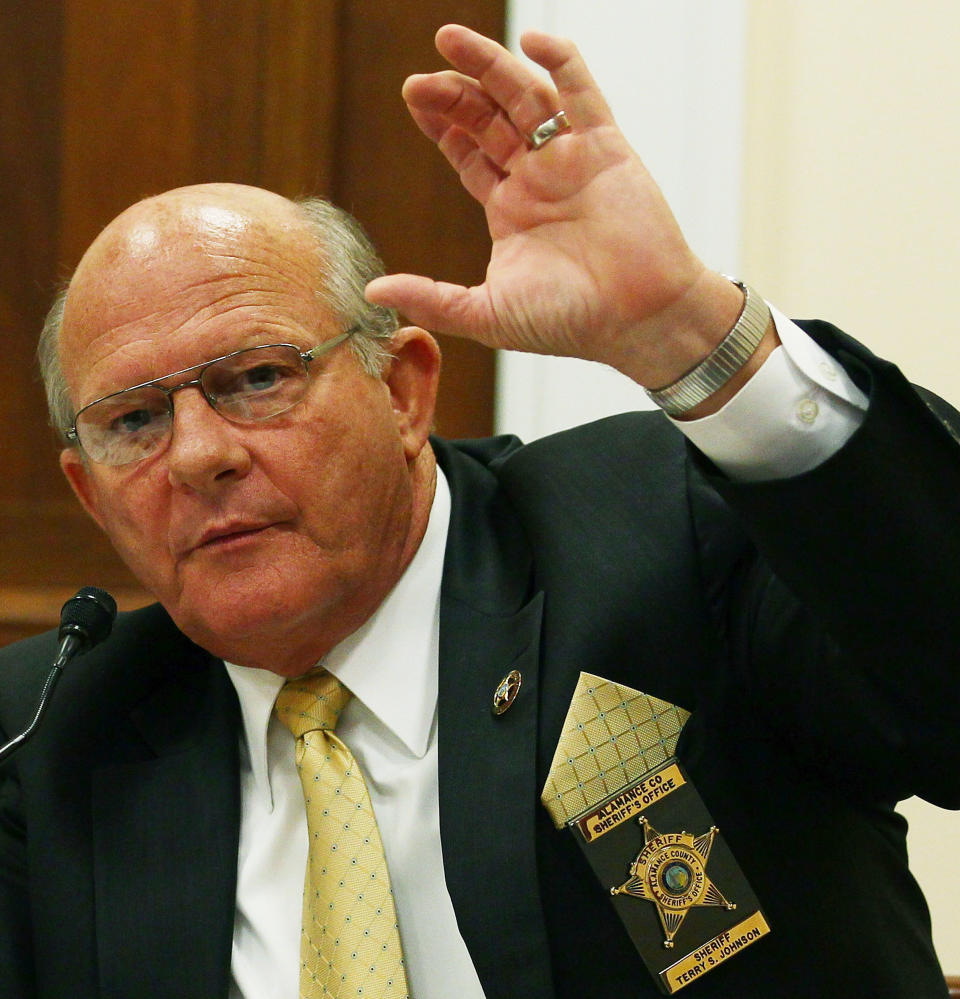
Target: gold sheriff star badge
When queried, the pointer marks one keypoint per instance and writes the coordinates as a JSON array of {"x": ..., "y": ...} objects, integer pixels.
[{"x": 671, "y": 872}]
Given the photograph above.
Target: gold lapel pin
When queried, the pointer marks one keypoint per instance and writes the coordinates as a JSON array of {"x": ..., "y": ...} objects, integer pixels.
[{"x": 506, "y": 692}]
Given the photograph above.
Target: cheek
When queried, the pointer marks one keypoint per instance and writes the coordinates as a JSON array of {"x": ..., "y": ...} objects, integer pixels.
[
  {"x": 359, "y": 462},
  {"x": 136, "y": 521},
  {"x": 344, "y": 496},
  {"x": 349, "y": 452}
]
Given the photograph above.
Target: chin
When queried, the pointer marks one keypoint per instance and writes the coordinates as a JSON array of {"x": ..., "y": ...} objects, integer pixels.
[{"x": 248, "y": 620}]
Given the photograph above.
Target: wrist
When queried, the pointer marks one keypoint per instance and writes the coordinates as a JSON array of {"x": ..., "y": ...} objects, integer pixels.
[
  {"x": 677, "y": 336},
  {"x": 717, "y": 374}
]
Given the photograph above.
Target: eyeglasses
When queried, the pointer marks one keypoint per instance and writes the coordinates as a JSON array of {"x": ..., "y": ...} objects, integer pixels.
[{"x": 246, "y": 386}]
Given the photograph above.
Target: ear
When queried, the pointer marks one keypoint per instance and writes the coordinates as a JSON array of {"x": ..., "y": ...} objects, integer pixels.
[
  {"x": 81, "y": 482},
  {"x": 412, "y": 380}
]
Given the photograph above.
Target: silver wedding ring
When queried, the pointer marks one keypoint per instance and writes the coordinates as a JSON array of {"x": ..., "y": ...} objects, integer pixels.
[{"x": 551, "y": 128}]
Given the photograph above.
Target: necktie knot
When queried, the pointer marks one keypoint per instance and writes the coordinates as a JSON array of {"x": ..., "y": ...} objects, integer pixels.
[{"x": 310, "y": 702}]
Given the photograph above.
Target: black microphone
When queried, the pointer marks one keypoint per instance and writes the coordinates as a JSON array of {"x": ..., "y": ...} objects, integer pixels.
[{"x": 85, "y": 621}]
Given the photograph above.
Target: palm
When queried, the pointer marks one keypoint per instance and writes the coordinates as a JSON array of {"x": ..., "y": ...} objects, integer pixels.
[{"x": 567, "y": 269}]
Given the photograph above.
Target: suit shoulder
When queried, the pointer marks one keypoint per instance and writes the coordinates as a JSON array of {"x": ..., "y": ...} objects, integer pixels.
[
  {"x": 639, "y": 435},
  {"x": 635, "y": 435},
  {"x": 602, "y": 464},
  {"x": 24, "y": 665}
]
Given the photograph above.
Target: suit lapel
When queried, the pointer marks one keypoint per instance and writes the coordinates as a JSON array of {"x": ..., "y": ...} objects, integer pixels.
[
  {"x": 166, "y": 821},
  {"x": 489, "y": 625}
]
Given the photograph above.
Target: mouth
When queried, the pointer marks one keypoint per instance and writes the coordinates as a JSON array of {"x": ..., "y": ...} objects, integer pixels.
[{"x": 230, "y": 536}]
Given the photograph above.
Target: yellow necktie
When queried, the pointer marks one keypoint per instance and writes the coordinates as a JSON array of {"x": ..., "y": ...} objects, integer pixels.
[{"x": 350, "y": 943}]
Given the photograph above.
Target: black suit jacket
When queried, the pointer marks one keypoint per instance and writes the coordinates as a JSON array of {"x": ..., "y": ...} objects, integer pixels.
[{"x": 822, "y": 676}]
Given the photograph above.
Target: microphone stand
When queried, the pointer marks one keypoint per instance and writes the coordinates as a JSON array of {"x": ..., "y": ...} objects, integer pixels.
[
  {"x": 51, "y": 681},
  {"x": 85, "y": 621}
]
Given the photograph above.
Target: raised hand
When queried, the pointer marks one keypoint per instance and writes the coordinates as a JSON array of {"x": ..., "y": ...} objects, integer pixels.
[{"x": 587, "y": 259}]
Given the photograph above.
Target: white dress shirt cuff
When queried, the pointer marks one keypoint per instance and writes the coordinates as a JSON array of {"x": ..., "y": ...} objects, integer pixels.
[{"x": 794, "y": 413}]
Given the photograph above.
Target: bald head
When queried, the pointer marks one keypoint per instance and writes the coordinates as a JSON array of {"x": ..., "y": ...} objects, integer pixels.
[
  {"x": 190, "y": 223},
  {"x": 154, "y": 256},
  {"x": 206, "y": 233}
]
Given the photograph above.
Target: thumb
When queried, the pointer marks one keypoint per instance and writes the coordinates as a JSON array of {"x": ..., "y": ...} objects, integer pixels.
[{"x": 435, "y": 305}]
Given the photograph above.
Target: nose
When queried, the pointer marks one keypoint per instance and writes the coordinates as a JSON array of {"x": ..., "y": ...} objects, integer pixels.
[{"x": 205, "y": 450}]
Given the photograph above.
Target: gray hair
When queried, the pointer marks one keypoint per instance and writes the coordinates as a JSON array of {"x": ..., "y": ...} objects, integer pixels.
[
  {"x": 48, "y": 356},
  {"x": 347, "y": 262}
]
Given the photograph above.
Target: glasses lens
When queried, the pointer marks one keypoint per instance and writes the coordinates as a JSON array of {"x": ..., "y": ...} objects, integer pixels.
[
  {"x": 256, "y": 384},
  {"x": 124, "y": 427}
]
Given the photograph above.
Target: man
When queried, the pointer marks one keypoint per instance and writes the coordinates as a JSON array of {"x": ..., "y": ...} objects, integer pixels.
[{"x": 152, "y": 836}]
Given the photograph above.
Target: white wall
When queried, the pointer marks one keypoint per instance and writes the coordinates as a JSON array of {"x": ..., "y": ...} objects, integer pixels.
[
  {"x": 674, "y": 76},
  {"x": 813, "y": 149},
  {"x": 853, "y": 148}
]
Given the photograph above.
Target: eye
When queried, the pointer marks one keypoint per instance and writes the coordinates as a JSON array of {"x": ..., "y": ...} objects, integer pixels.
[
  {"x": 254, "y": 374},
  {"x": 132, "y": 421},
  {"x": 259, "y": 379},
  {"x": 120, "y": 416}
]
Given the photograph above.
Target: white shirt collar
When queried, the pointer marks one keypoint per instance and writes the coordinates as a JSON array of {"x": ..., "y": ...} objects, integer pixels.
[{"x": 390, "y": 663}]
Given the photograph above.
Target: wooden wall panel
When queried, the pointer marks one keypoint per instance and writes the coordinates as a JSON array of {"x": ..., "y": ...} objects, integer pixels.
[
  {"x": 30, "y": 113},
  {"x": 300, "y": 97},
  {"x": 103, "y": 102},
  {"x": 382, "y": 158},
  {"x": 127, "y": 111}
]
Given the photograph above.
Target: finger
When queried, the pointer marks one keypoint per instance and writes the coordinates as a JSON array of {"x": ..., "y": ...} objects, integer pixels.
[
  {"x": 478, "y": 173},
  {"x": 524, "y": 95},
  {"x": 433, "y": 124},
  {"x": 579, "y": 94},
  {"x": 435, "y": 305},
  {"x": 439, "y": 99}
]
